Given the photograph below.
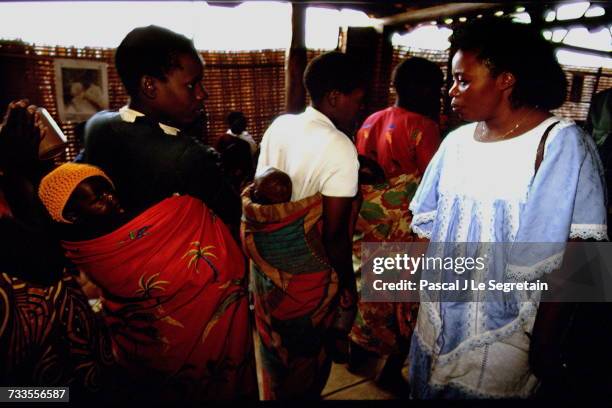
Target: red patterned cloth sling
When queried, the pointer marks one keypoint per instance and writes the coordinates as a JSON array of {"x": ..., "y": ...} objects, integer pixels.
[{"x": 175, "y": 300}]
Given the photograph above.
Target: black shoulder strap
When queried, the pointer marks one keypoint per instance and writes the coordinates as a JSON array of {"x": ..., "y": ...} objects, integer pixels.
[{"x": 540, "y": 152}]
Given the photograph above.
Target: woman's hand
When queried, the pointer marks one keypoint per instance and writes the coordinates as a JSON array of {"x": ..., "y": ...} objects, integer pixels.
[
  {"x": 348, "y": 296},
  {"x": 20, "y": 133},
  {"x": 20, "y": 117}
]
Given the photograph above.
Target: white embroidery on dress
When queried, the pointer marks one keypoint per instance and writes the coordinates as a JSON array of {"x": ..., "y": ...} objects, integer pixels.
[
  {"x": 523, "y": 322},
  {"x": 526, "y": 317},
  {"x": 422, "y": 218},
  {"x": 518, "y": 273},
  {"x": 598, "y": 232},
  {"x": 421, "y": 233}
]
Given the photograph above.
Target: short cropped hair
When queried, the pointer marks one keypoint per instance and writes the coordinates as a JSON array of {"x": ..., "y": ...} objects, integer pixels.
[
  {"x": 506, "y": 46},
  {"x": 333, "y": 71},
  {"x": 150, "y": 50},
  {"x": 414, "y": 74},
  {"x": 234, "y": 116}
]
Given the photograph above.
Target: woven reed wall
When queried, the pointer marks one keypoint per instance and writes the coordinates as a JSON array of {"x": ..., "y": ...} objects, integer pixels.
[
  {"x": 383, "y": 70},
  {"x": 251, "y": 82},
  {"x": 594, "y": 80}
]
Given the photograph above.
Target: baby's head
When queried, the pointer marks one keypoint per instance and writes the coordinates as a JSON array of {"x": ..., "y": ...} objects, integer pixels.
[
  {"x": 272, "y": 187},
  {"x": 77, "y": 193}
]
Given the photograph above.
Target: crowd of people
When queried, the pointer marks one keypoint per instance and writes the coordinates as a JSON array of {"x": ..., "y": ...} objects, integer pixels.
[{"x": 234, "y": 272}]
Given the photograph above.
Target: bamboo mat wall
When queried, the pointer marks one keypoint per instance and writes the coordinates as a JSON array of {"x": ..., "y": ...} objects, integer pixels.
[
  {"x": 252, "y": 82},
  {"x": 579, "y": 93}
]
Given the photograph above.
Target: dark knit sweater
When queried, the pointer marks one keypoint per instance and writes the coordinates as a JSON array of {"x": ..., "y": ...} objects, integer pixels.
[{"x": 148, "y": 165}]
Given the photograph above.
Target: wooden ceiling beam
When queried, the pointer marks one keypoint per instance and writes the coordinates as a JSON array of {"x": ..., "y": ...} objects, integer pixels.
[
  {"x": 598, "y": 53},
  {"x": 588, "y": 22},
  {"x": 418, "y": 15}
]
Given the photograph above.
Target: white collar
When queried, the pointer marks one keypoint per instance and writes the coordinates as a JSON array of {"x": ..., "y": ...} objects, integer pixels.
[
  {"x": 243, "y": 134},
  {"x": 130, "y": 115}
]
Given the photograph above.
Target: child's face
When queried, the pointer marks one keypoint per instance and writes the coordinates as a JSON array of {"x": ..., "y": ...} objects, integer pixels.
[{"x": 93, "y": 198}]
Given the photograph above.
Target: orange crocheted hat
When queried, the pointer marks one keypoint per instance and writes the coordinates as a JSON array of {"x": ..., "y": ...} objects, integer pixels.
[{"x": 57, "y": 186}]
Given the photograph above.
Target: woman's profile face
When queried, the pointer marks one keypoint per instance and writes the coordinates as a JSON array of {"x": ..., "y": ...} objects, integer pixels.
[
  {"x": 475, "y": 94},
  {"x": 180, "y": 98}
]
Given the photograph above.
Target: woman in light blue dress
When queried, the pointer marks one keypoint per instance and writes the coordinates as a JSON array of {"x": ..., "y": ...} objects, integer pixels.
[{"x": 482, "y": 186}]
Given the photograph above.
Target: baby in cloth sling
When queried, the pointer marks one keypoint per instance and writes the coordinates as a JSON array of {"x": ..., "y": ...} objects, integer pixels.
[{"x": 172, "y": 278}]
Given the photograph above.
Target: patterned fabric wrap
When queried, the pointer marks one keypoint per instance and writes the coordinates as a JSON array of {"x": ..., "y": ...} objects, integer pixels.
[
  {"x": 294, "y": 290},
  {"x": 383, "y": 327},
  {"x": 175, "y": 300},
  {"x": 49, "y": 336}
]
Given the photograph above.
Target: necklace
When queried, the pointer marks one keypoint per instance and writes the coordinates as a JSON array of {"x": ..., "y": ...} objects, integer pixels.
[{"x": 481, "y": 126}]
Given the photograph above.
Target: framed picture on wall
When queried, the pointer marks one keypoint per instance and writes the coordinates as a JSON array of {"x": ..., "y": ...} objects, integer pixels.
[{"x": 81, "y": 88}]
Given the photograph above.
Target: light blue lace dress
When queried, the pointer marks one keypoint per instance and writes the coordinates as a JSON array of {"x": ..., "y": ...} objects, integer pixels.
[{"x": 487, "y": 192}]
